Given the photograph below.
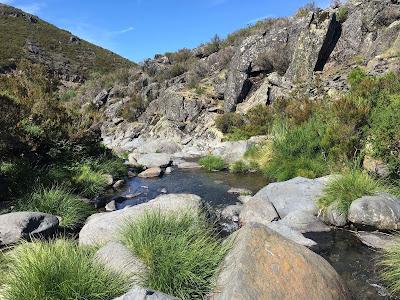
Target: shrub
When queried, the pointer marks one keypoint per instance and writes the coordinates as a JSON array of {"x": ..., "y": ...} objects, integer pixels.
[
  {"x": 306, "y": 9},
  {"x": 59, "y": 270},
  {"x": 342, "y": 14},
  {"x": 348, "y": 187},
  {"x": 132, "y": 109},
  {"x": 212, "y": 163},
  {"x": 298, "y": 153},
  {"x": 239, "y": 167},
  {"x": 384, "y": 134},
  {"x": 182, "y": 253},
  {"x": 89, "y": 183},
  {"x": 58, "y": 201},
  {"x": 356, "y": 76},
  {"x": 228, "y": 121},
  {"x": 213, "y": 46},
  {"x": 389, "y": 268}
]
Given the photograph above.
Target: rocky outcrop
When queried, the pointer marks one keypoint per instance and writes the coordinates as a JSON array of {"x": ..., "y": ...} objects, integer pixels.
[
  {"x": 105, "y": 227},
  {"x": 26, "y": 225},
  {"x": 264, "y": 265},
  {"x": 153, "y": 160},
  {"x": 381, "y": 211}
]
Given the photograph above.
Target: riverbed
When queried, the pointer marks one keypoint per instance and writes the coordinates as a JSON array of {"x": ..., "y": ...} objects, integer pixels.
[{"x": 354, "y": 261}]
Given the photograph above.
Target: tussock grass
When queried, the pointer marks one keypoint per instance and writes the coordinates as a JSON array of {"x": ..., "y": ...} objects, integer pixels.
[
  {"x": 181, "y": 252},
  {"x": 239, "y": 166},
  {"x": 89, "y": 182},
  {"x": 212, "y": 163},
  {"x": 348, "y": 187},
  {"x": 59, "y": 270},
  {"x": 58, "y": 200},
  {"x": 390, "y": 268}
]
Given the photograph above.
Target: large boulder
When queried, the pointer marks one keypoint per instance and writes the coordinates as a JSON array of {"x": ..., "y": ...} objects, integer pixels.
[
  {"x": 291, "y": 234},
  {"x": 264, "y": 265},
  {"x": 293, "y": 195},
  {"x": 231, "y": 152},
  {"x": 25, "y": 225},
  {"x": 139, "y": 293},
  {"x": 151, "y": 173},
  {"x": 333, "y": 216},
  {"x": 381, "y": 211},
  {"x": 153, "y": 160},
  {"x": 117, "y": 258},
  {"x": 105, "y": 227}
]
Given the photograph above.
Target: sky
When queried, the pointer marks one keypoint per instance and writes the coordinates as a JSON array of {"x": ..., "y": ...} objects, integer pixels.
[{"x": 139, "y": 29}]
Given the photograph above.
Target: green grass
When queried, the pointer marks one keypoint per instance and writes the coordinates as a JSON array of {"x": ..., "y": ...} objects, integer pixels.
[
  {"x": 239, "y": 166},
  {"x": 89, "y": 182},
  {"x": 181, "y": 252},
  {"x": 390, "y": 268},
  {"x": 59, "y": 270},
  {"x": 212, "y": 163},
  {"x": 59, "y": 201},
  {"x": 348, "y": 187}
]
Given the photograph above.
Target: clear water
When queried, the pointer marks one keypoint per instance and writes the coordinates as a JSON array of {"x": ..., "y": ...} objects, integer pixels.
[{"x": 354, "y": 262}]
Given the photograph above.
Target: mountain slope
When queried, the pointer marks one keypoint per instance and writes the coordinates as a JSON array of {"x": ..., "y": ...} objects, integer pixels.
[{"x": 26, "y": 36}]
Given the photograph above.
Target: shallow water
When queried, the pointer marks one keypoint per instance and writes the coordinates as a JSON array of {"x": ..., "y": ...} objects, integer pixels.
[{"x": 354, "y": 262}]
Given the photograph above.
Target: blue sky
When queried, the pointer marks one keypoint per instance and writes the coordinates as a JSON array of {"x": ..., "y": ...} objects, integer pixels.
[{"x": 138, "y": 29}]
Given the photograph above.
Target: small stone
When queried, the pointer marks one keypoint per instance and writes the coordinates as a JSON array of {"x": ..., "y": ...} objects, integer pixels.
[
  {"x": 119, "y": 184},
  {"x": 168, "y": 170},
  {"x": 240, "y": 191},
  {"x": 230, "y": 212},
  {"x": 131, "y": 174},
  {"x": 151, "y": 173},
  {"x": 111, "y": 206},
  {"x": 163, "y": 191},
  {"x": 109, "y": 179}
]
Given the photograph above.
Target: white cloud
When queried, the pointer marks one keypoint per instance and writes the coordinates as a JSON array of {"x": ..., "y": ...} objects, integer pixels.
[
  {"x": 125, "y": 30},
  {"x": 32, "y": 8}
]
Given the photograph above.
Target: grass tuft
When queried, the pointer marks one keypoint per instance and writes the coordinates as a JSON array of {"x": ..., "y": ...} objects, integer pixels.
[
  {"x": 59, "y": 201},
  {"x": 89, "y": 182},
  {"x": 59, "y": 270},
  {"x": 348, "y": 187},
  {"x": 212, "y": 163},
  {"x": 239, "y": 167},
  {"x": 181, "y": 252},
  {"x": 390, "y": 271}
]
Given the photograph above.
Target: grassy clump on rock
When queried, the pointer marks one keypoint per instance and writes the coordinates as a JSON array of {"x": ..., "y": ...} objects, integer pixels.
[
  {"x": 182, "y": 253},
  {"x": 348, "y": 187},
  {"x": 390, "y": 270},
  {"x": 59, "y": 270},
  {"x": 59, "y": 201},
  {"x": 212, "y": 163}
]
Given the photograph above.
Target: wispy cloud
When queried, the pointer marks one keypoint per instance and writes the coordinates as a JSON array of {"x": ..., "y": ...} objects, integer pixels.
[
  {"x": 259, "y": 19},
  {"x": 7, "y": 1},
  {"x": 131, "y": 28},
  {"x": 29, "y": 7}
]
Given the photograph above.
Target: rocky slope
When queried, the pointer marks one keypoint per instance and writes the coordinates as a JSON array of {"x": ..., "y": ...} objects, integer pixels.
[
  {"x": 26, "y": 36},
  {"x": 309, "y": 53}
]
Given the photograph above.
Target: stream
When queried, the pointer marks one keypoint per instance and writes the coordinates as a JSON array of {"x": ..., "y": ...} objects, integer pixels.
[{"x": 354, "y": 261}]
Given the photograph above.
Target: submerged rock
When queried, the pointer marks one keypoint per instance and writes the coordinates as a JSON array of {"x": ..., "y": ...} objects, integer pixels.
[
  {"x": 240, "y": 191},
  {"x": 119, "y": 184},
  {"x": 264, "y": 265},
  {"x": 105, "y": 227},
  {"x": 25, "y": 225},
  {"x": 378, "y": 240},
  {"x": 381, "y": 211}
]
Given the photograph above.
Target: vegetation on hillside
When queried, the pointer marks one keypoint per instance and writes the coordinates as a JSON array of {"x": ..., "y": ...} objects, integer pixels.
[
  {"x": 25, "y": 36},
  {"x": 182, "y": 253}
]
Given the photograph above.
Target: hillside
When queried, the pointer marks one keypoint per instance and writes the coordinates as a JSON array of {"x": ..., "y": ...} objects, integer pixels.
[{"x": 26, "y": 36}]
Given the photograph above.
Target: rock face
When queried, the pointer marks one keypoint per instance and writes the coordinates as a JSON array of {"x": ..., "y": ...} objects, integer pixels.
[
  {"x": 298, "y": 194},
  {"x": 381, "y": 211},
  {"x": 139, "y": 293},
  {"x": 119, "y": 259},
  {"x": 104, "y": 227},
  {"x": 263, "y": 265},
  {"x": 154, "y": 160},
  {"x": 24, "y": 225}
]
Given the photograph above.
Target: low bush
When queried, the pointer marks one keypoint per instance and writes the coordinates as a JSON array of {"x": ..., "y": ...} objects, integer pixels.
[
  {"x": 348, "y": 187},
  {"x": 89, "y": 183},
  {"x": 306, "y": 9},
  {"x": 239, "y": 166},
  {"x": 227, "y": 122},
  {"x": 342, "y": 14},
  {"x": 59, "y": 270},
  {"x": 181, "y": 252},
  {"x": 212, "y": 163},
  {"x": 58, "y": 201},
  {"x": 389, "y": 268}
]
